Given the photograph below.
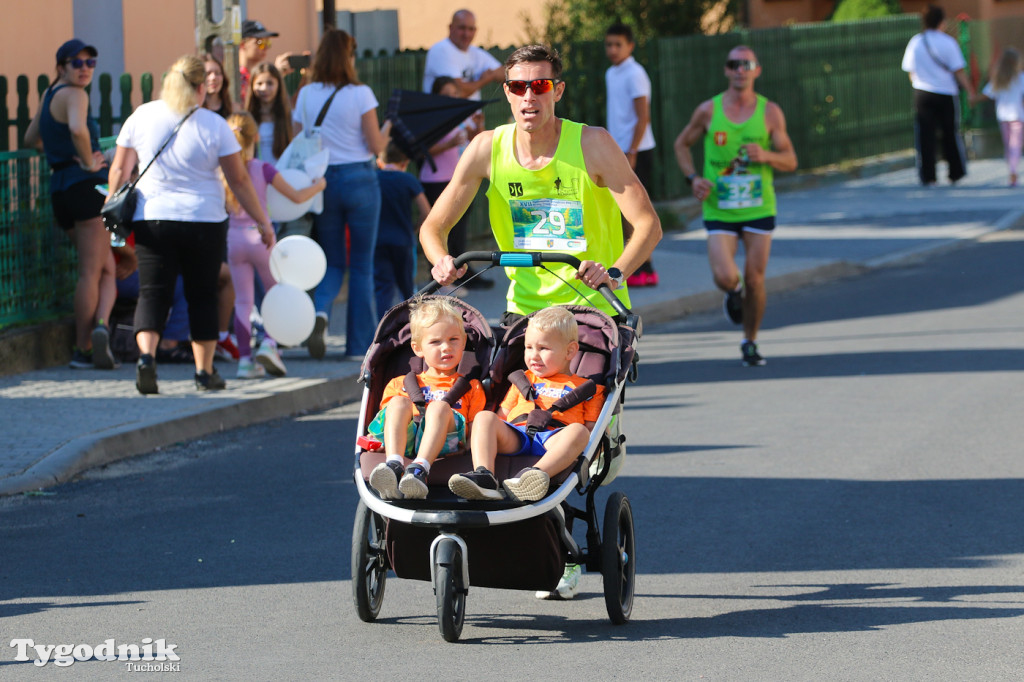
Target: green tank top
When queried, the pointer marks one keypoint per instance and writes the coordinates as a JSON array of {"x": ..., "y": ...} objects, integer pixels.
[
  {"x": 740, "y": 190},
  {"x": 556, "y": 208}
]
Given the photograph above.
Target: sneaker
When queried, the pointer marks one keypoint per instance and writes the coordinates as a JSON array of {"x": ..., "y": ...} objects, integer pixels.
[
  {"x": 268, "y": 356},
  {"x": 568, "y": 586},
  {"x": 226, "y": 350},
  {"x": 145, "y": 375},
  {"x": 102, "y": 357},
  {"x": 476, "y": 485},
  {"x": 209, "y": 381},
  {"x": 181, "y": 354},
  {"x": 80, "y": 359},
  {"x": 247, "y": 369},
  {"x": 384, "y": 479},
  {"x": 637, "y": 279},
  {"x": 733, "y": 306},
  {"x": 751, "y": 358},
  {"x": 315, "y": 344},
  {"x": 529, "y": 485},
  {"x": 413, "y": 485}
]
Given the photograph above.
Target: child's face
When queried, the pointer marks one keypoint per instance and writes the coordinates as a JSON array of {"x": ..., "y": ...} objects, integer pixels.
[
  {"x": 547, "y": 353},
  {"x": 441, "y": 346},
  {"x": 265, "y": 87},
  {"x": 617, "y": 48},
  {"x": 449, "y": 90},
  {"x": 214, "y": 78}
]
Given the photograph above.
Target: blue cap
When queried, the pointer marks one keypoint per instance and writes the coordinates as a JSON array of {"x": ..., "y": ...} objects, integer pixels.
[{"x": 71, "y": 48}]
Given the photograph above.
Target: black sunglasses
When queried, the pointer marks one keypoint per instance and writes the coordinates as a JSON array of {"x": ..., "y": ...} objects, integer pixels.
[
  {"x": 538, "y": 85},
  {"x": 77, "y": 63},
  {"x": 737, "y": 64}
]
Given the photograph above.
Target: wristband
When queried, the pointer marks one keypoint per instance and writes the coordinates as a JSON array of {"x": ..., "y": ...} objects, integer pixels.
[{"x": 690, "y": 178}]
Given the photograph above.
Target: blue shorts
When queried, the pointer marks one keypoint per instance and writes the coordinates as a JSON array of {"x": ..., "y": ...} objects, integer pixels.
[
  {"x": 535, "y": 445},
  {"x": 759, "y": 226}
]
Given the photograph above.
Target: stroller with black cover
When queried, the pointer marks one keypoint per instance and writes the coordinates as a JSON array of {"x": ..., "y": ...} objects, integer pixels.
[{"x": 512, "y": 545}]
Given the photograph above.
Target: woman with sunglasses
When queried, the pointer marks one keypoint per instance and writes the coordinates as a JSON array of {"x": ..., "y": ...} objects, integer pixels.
[
  {"x": 70, "y": 139},
  {"x": 351, "y": 133}
]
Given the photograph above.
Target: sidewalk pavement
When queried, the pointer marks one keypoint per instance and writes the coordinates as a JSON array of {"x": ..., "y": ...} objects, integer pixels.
[{"x": 59, "y": 421}]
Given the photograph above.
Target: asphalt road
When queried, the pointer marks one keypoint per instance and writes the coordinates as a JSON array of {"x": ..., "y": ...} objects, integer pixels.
[{"x": 854, "y": 510}]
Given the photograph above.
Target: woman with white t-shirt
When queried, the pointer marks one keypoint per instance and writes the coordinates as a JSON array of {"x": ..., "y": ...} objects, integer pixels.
[
  {"x": 180, "y": 221},
  {"x": 1007, "y": 89},
  {"x": 350, "y": 132}
]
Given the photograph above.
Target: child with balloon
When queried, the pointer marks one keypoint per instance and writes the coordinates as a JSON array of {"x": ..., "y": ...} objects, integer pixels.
[{"x": 249, "y": 248}]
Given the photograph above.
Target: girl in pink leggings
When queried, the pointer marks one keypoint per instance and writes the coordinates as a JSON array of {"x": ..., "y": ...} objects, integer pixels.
[
  {"x": 1007, "y": 89},
  {"x": 249, "y": 250}
]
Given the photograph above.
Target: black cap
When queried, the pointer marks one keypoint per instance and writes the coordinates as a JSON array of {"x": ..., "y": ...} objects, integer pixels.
[
  {"x": 254, "y": 29},
  {"x": 73, "y": 47}
]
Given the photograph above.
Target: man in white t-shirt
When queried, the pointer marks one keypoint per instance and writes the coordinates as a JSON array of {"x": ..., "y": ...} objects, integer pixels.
[
  {"x": 628, "y": 90},
  {"x": 472, "y": 67},
  {"x": 936, "y": 66}
]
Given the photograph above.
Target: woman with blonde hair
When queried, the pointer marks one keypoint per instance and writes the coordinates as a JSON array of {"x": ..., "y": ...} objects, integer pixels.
[
  {"x": 1007, "y": 89},
  {"x": 351, "y": 133},
  {"x": 180, "y": 220}
]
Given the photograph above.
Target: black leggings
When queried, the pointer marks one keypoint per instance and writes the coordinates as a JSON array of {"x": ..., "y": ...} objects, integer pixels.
[{"x": 167, "y": 248}]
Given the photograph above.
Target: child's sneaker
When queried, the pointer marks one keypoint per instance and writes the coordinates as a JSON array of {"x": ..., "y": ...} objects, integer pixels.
[
  {"x": 413, "y": 485},
  {"x": 247, "y": 369},
  {"x": 268, "y": 356},
  {"x": 568, "y": 586},
  {"x": 476, "y": 485},
  {"x": 384, "y": 479},
  {"x": 529, "y": 485},
  {"x": 226, "y": 350}
]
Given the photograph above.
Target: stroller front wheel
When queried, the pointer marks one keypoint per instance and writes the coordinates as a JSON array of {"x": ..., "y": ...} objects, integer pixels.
[
  {"x": 449, "y": 590},
  {"x": 618, "y": 558},
  {"x": 369, "y": 563}
]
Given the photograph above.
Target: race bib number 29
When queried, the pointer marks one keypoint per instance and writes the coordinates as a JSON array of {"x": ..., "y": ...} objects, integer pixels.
[{"x": 548, "y": 225}]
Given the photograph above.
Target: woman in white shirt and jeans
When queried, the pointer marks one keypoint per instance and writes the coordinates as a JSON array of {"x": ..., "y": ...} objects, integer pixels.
[{"x": 351, "y": 133}]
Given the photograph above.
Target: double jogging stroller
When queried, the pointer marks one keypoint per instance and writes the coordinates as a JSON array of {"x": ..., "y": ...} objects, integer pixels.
[{"x": 455, "y": 543}]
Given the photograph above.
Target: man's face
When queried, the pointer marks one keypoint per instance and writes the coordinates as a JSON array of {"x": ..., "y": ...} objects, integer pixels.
[
  {"x": 531, "y": 110},
  {"x": 617, "y": 48},
  {"x": 462, "y": 30},
  {"x": 254, "y": 49},
  {"x": 738, "y": 71}
]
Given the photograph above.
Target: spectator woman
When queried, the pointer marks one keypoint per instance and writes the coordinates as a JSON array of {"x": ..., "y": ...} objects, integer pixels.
[
  {"x": 180, "y": 221},
  {"x": 70, "y": 140},
  {"x": 218, "y": 87},
  {"x": 351, "y": 133}
]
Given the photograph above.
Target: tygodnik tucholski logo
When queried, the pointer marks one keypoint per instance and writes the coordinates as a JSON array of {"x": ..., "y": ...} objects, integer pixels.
[{"x": 150, "y": 655}]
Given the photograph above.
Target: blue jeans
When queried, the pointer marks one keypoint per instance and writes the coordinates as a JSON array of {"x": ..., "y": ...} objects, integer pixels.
[{"x": 352, "y": 197}]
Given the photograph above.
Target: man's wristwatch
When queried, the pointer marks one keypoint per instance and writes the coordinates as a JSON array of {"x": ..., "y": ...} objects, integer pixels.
[
  {"x": 616, "y": 276},
  {"x": 690, "y": 178}
]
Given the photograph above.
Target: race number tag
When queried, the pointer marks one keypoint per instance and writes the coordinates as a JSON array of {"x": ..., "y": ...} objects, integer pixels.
[
  {"x": 548, "y": 225},
  {"x": 739, "y": 191}
]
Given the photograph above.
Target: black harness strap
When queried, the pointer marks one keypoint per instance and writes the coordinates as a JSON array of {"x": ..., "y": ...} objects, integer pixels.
[
  {"x": 415, "y": 392},
  {"x": 537, "y": 420}
]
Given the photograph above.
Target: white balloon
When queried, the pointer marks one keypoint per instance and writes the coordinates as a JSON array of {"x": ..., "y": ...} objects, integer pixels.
[
  {"x": 288, "y": 314},
  {"x": 299, "y": 261},
  {"x": 281, "y": 208}
]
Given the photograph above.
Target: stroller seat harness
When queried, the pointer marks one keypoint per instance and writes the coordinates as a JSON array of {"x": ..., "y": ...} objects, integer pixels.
[{"x": 538, "y": 419}]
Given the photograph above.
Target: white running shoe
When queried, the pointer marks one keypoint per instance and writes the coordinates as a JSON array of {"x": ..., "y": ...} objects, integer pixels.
[
  {"x": 268, "y": 356},
  {"x": 568, "y": 586},
  {"x": 247, "y": 369}
]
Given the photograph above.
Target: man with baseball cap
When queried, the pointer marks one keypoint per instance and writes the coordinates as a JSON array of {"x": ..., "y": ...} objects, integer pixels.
[{"x": 255, "y": 43}]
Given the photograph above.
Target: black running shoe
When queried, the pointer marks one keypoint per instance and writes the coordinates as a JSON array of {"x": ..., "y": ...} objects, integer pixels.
[
  {"x": 102, "y": 357},
  {"x": 145, "y": 375},
  {"x": 529, "y": 485},
  {"x": 384, "y": 479},
  {"x": 476, "y": 485},
  {"x": 733, "y": 306},
  {"x": 751, "y": 358},
  {"x": 210, "y": 381},
  {"x": 315, "y": 344},
  {"x": 413, "y": 485}
]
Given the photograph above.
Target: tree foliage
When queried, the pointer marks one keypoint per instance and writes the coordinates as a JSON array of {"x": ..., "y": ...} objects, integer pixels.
[{"x": 852, "y": 10}]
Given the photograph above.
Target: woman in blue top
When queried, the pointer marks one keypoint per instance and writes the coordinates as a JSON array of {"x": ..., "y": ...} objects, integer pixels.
[{"x": 70, "y": 139}]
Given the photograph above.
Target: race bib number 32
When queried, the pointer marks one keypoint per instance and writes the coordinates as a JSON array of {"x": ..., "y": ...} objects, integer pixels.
[
  {"x": 739, "y": 191},
  {"x": 548, "y": 225}
]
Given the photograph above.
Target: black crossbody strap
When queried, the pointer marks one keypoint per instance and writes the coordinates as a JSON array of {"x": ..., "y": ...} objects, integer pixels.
[
  {"x": 327, "y": 105},
  {"x": 924, "y": 38},
  {"x": 164, "y": 145}
]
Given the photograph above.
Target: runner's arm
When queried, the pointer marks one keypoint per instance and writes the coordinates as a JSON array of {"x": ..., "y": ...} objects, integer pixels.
[
  {"x": 473, "y": 167},
  {"x": 781, "y": 156},
  {"x": 693, "y": 133}
]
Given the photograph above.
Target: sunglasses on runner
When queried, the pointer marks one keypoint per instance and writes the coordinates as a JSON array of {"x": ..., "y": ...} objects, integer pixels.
[
  {"x": 737, "y": 64},
  {"x": 77, "y": 63},
  {"x": 539, "y": 86}
]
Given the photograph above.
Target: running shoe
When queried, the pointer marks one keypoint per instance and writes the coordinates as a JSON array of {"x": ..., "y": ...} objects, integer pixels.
[
  {"x": 479, "y": 484},
  {"x": 145, "y": 375},
  {"x": 751, "y": 358},
  {"x": 384, "y": 479},
  {"x": 733, "y": 306},
  {"x": 315, "y": 344},
  {"x": 568, "y": 586},
  {"x": 80, "y": 359},
  {"x": 226, "y": 350},
  {"x": 247, "y": 369},
  {"x": 529, "y": 485},
  {"x": 268, "y": 356},
  {"x": 209, "y": 381},
  {"x": 102, "y": 357},
  {"x": 413, "y": 485}
]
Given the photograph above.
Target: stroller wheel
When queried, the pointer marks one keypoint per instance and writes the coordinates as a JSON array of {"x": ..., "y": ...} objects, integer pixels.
[
  {"x": 618, "y": 558},
  {"x": 450, "y": 590},
  {"x": 369, "y": 563}
]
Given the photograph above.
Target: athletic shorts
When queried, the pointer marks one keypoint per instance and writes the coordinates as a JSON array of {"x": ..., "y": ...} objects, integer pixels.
[
  {"x": 535, "y": 445},
  {"x": 453, "y": 442},
  {"x": 78, "y": 203},
  {"x": 759, "y": 226}
]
